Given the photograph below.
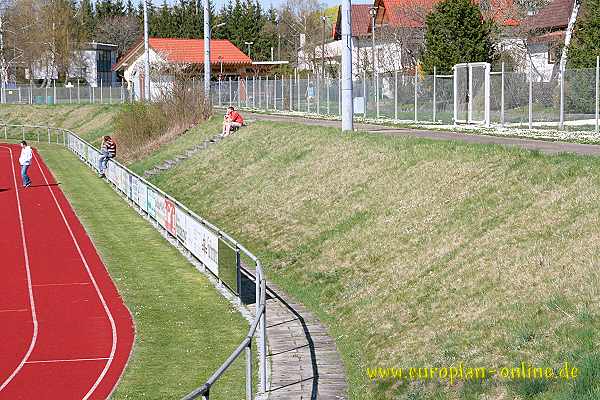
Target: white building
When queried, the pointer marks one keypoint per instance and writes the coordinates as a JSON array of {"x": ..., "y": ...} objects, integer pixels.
[{"x": 92, "y": 65}]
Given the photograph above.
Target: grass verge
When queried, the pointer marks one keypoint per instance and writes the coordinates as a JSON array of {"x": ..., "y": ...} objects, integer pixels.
[
  {"x": 184, "y": 328},
  {"x": 418, "y": 253}
]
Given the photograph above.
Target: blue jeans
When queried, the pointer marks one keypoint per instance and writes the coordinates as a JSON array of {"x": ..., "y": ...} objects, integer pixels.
[
  {"x": 26, "y": 180},
  {"x": 103, "y": 161}
]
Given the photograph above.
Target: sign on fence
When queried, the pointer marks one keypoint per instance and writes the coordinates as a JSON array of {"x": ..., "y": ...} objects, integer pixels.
[{"x": 203, "y": 244}]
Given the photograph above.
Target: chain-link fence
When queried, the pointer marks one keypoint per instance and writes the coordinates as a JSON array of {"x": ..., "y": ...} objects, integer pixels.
[
  {"x": 61, "y": 94},
  {"x": 516, "y": 99}
]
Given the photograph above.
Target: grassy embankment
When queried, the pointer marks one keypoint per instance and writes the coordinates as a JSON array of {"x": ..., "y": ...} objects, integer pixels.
[{"x": 418, "y": 253}]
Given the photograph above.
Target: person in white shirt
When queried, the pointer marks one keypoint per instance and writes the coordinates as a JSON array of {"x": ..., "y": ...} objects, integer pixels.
[{"x": 25, "y": 161}]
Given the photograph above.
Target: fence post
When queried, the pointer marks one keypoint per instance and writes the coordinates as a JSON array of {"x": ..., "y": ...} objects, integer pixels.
[
  {"x": 318, "y": 93},
  {"x": 416, "y": 99},
  {"x": 247, "y": 104},
  {"x": 20, "y": 94},
  {"x": 239, "y": 92},
  {"x": 263, "y": 337},
  {"x": 502, "y": 97},
  {"x": 291, "y": 94},
  {"x": 101, "y": 94},
  {"x": 110, "y": 93},
  {"x": 530, "y": 124},
  {"x": 275, "y": 92},
  {"x": 561, "y": 123},
  {"x": 340, "y": 95},
  {"x": 377, "y": 92},
  {"x": 365, "y": 94},
  {"x": 488, "y": 74},
  {"x": 254, "y": 91},
  {"x": 454, "y": 96},
  {"x": 260, "y": 92},
  {"x": 308, "y": 93},
  {"x": 298, "y": 88},
  {"x": 78, "y": 94},
  {"x": 220, "y": 103},
  {"x": 396, "y": 95},
  {"x": 597, "y": 92},
  {"x": 434, "y": 93},
  {"x": 267, "y": 92},
  {"x": 230, "y": 93},
  {"x": 54, "y": 92},
  {"x": 328, "y": 80},
  {"x": 249, "y": 371}
]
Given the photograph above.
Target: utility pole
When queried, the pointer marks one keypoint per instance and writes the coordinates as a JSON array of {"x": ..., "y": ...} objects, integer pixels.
[
  {"x": 324, "y": 20},
  {"x": 206, "y": 50},
  {"x": 347, "y": 106},
  {"x": 146, "y": 55}
]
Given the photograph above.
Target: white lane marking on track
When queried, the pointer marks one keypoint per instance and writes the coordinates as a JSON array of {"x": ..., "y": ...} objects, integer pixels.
[
  {"x": 67, "y": 360},
  {"x": 87, "y": 267},
  {"x": 29, "y": 286},
  {"x": 15, "y": 310},
  {"x": 62, "y": 284}
]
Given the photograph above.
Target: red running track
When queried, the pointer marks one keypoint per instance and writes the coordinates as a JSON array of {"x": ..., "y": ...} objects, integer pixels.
[{"x": 64, "y": 330}]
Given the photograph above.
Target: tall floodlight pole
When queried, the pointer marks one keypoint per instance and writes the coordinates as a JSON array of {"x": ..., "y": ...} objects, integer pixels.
[
  {"x": 347, "y": 106},
  {"x": 146, "y": 55},
  {"x": 206, "y": 50}
]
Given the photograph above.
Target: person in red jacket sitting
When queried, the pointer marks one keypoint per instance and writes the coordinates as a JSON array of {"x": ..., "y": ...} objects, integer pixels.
[{"x": 232, "y": 121}]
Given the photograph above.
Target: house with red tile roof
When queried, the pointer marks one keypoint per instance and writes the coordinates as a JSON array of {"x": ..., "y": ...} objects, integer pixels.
[
  {"x": 225, "y": 59},
  {"x": 548, "y": 32}
]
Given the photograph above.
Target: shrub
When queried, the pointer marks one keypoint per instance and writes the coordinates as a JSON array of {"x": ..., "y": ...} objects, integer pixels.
[{"x": 141, "y": 128}]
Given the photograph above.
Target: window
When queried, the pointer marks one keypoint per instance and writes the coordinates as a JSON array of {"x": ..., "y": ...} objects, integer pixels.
[
  {"x": 103, "y": 67},
  {"x": 554, "y": 53}
]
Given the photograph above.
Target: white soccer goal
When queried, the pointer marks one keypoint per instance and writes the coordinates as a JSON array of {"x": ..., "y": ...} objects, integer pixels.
[{"x": 472, "y": 93}]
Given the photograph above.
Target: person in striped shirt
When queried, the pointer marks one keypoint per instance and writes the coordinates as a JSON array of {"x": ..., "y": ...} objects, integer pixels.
[{"x": 108, "y": 150}]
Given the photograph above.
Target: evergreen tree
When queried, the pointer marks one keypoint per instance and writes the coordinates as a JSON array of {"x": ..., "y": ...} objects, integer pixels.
[
  {"x": 118, "y": 8},
  {"x": 130, "y": 9},
  {"x": 585, "y": 46},
  {"x": 455, "y": 33}
]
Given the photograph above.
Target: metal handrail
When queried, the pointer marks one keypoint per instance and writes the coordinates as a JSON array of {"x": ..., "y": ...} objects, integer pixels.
[{"x": 259, "y": 322}]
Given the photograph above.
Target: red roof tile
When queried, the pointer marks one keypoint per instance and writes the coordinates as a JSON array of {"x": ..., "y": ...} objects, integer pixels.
[
  {"x": 554, "y": 16},
  {"x": 190, "y": 51}
]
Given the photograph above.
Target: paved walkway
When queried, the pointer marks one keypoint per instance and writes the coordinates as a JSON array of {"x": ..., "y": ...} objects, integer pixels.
[
  {"x": 529, "y": 144},
  {"x": 305, "y": 363}
]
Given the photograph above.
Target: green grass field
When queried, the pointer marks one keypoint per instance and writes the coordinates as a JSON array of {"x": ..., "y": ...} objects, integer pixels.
[
  {"x": 184, "y": 328},
  {"x": 418, "y": 253}
]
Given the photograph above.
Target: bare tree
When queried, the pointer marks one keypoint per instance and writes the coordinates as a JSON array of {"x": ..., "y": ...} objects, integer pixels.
[
  {"x": 120, "y": 30},
  {"x": 44, "y": 35}
]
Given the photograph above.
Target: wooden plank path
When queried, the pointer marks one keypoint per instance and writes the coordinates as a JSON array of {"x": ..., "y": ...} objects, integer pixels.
[
  {"x": 303, "y": 358},
  {"x": 305, "y": 363}
]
